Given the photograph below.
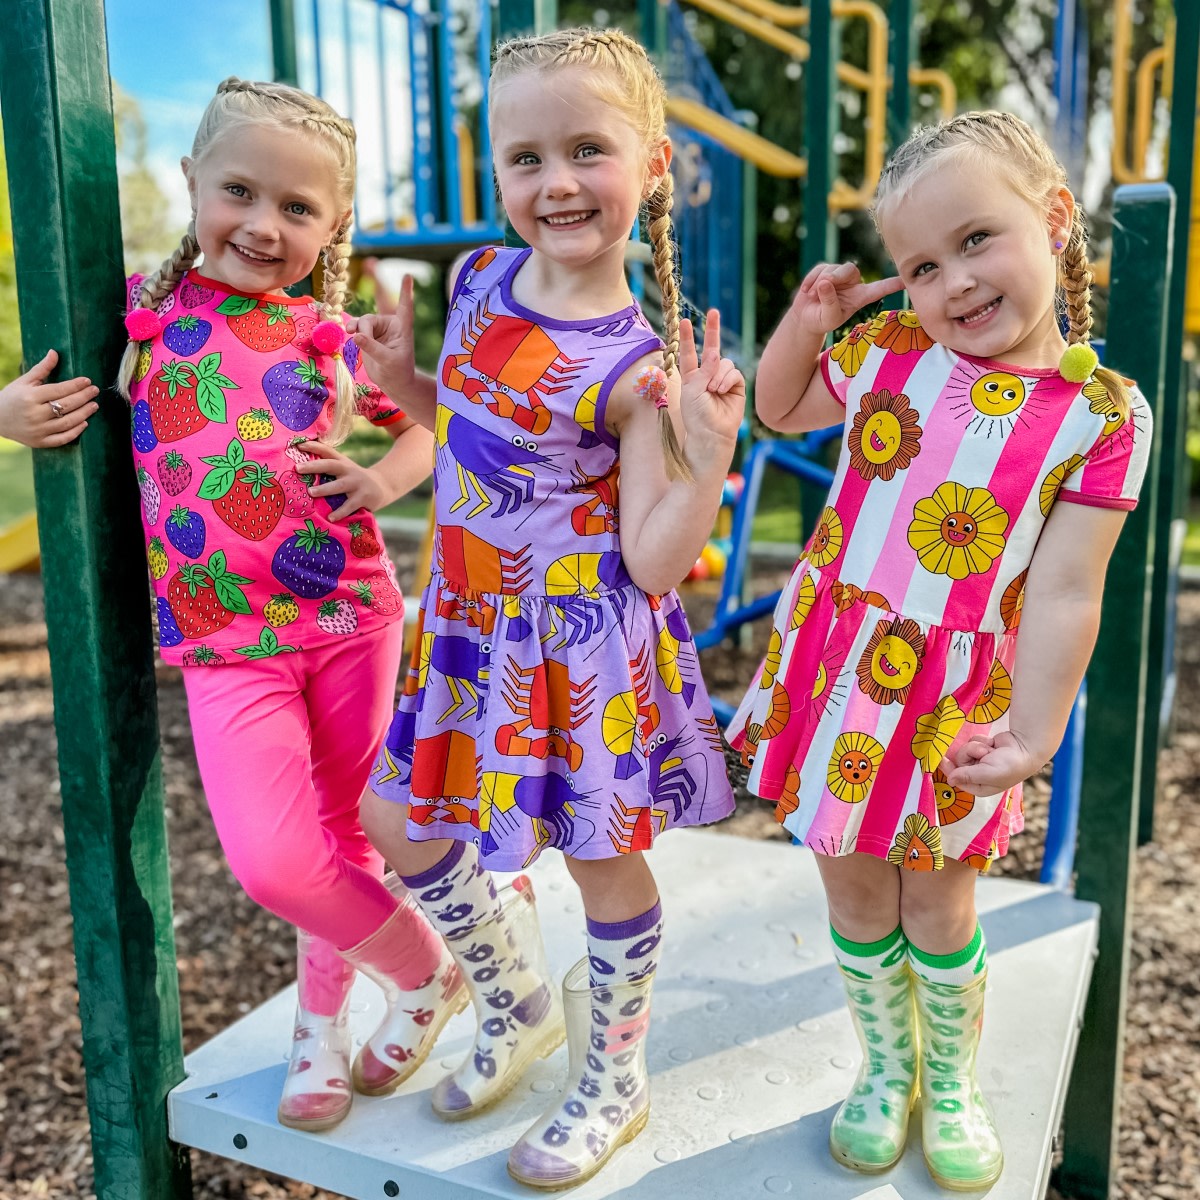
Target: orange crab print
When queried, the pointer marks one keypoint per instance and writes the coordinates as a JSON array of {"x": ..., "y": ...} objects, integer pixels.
[
  {"x": 544, "y": 697},
  {"x": 635, "y": 828}
]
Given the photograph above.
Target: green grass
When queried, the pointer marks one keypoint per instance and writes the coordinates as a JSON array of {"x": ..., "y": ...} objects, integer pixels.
[{"x": 16, "y": 481}]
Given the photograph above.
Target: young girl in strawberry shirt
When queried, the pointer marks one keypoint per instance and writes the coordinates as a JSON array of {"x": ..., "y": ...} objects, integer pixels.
[{"x": 273, "y": 590}]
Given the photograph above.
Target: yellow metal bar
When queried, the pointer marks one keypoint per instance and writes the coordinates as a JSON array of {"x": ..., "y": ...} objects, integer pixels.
[
  {"x": 935, "y": 78},
  {"x": 466, "y": 171},
  {"x": 726, "y": 10},
  {"x": 876, "y": 89},
  {"x": 1143, "y": 108},
  {"x": 19, "y": 550},
  {"x": 765, "y": 155},
  {"x": 785, "y": 15},
  {"x": 1123, "y": 171}
]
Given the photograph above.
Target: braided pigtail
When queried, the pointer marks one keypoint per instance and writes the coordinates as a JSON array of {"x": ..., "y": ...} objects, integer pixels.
[
  {"x": 662, "y": 247},
  {"x": 154, "y": 289},
  {"x": 1076, "y": 280},
  {"x": 333, "y": 302}
]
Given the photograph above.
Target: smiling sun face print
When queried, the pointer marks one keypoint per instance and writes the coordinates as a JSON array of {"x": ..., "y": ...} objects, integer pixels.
[
  {"x": 856, "y": 758},
  {"x": 990, "y": 403},
  {"x": 891, "y": 660},
  {"x": 826, "y": 543},
  {"x": 885, "y": 436}
]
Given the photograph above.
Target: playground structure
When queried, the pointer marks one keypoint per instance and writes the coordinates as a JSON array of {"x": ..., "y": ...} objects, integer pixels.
[{"x": 100, "y": 649}]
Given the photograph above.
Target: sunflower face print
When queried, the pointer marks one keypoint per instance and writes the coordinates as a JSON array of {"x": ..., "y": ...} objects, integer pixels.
[
  {"x": 1054, "y": 480},
  {"x": 900, "y": 332},
  {"x": 1103, "y": 405},
  {"x": 995, "y": 698},
  {"x": 958, "y": 531},
  {"x": 885, "y": 436},
  {"x": 918, "y": 846},
  {"x": 891, "y": 660},
  {"x": 851, "y": 351},
  {"x": 1012, "y": 601},
  {"x": 952, "y": 803},
  {"x": 856, "y": 758},
  {"x": 991, "y": 404},
  {"x": 826, "y": 542}
]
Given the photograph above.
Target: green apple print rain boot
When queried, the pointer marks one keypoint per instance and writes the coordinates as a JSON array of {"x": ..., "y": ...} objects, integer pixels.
[{"x": 870, "y": 1129}]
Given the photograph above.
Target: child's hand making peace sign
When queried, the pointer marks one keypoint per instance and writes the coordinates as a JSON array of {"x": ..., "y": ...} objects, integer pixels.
[{"x": 713, "y": 395}]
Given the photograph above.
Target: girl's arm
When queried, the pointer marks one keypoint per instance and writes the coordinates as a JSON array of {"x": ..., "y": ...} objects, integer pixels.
[
  {"x": 407, "y": 462},
  {"x": 790, "y": 394},
  {"x": 664, "y": 524},
  {"x": 26, "y": 415},
  {"x": 1059, "y": 619}
]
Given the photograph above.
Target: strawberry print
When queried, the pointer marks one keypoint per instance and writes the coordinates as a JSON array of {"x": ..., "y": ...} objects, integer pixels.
[
  {"x": 186, "y": 335},
  {"x": 168, "y": 630},
  {"x": 244, "y": 493},
  {"x": 185, "y": 396},
  {"x": 156, "y": 556},
  {"x": 293, "y": 451},
  {"x": 255, "y": 425},
  {"x": 297, "y": 391},
  {"x": 263, "y": 325},
  {"x": 363, "y": 542},
  {"x": 306, "y": 321},
  {"x": 202, "y": 656},
  {"x": 298, "y": 503},
  {"x": 144, "y": 437},
  {"x": 145, "y": 357},
  {"x": 337, "y": 617},
  {"x": 185, "y": 531},
  {"x": 267, "y": 646},
  {"x": 192, "y": 295},
  {"x": 281, "y": 610},
  {"x": 151, "y": 496},
  {"x": 174, "y": 472},
  {"x": 205, "y": 598},
  {"x": 378, "y": 592},
  {"x": 309, "y": 562}
]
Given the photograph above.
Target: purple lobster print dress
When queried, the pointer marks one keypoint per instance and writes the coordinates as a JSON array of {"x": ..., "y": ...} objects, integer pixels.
[{"x": 549, "y": 701}]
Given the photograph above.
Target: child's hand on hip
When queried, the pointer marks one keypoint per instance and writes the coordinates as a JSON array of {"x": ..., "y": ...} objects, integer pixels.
[
  {"x": 832, "y": 293},
  {"x": 987, "y": 766},
  {"x": 713, "y": 393},
  {"x": 362, "y": 486},
  {"x": 386, "y": 342},
  {"x": 40, "y": 414}
]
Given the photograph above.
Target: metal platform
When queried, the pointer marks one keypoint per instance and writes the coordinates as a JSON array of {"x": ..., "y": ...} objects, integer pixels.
[{"x": 751, "y": 1050}]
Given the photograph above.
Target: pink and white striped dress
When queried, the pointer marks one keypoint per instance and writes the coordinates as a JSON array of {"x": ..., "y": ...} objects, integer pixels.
[{"x": 894, "y": 641}]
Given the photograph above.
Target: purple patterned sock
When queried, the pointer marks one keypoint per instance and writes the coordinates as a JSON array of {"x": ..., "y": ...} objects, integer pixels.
[
  {"x": 621, "y": 951},
  {"x": 456, "y": 893}
]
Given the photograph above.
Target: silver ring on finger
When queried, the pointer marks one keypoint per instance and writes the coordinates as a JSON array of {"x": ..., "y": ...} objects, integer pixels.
[{"x": 56, "y": 408}]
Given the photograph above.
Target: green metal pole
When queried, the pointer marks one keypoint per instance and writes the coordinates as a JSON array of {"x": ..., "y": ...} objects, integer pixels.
[
  {"x": 525, "y": 17},
  {"x": 652, "y": 18},
  {"x": 1113, "y": 740},
  {"x": 820, "y": 123},
  {"x": 1173, "y": 484},
  {"x": 900, "y": 41},
  {"x": 283, "y": 42},
  {"x": 58, "y": 123}
]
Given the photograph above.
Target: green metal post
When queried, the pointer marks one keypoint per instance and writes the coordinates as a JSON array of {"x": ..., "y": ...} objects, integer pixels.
[
  {"x": 1114, "y": 741},
  {"x": 1173, "y": 484},
  {"x": 54, "y": 89},
  {"x": 526, "y": 16},
  {"x": 652, "y": 18},
  {"x": 283, "y": 42},
  {"x": 900, "y": 41},
  {"x": 820, "y": 123}
]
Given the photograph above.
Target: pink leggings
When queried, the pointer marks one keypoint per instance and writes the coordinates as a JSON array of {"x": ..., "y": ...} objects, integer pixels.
[{"x": 285, "y": 747}]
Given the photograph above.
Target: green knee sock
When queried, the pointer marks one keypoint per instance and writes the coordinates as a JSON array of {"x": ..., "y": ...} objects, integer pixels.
[{"x": 956, "y": 969}]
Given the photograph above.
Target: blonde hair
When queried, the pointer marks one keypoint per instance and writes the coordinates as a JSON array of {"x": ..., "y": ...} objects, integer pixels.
[
  {"x": 1035, "y": 174},
  {"x": 240, "y": 102},
  {"x": 627, "y": 80}
]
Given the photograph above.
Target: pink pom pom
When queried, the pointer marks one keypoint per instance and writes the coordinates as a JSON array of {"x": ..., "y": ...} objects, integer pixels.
[
  {"x": 143, "y": 324},
  {"x": 328, "y": 337},
  {"x": 652, "y": 383}
]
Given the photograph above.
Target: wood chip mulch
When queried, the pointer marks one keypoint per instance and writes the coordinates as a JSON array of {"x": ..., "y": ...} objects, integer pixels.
[{"x": 233, "y": 955}]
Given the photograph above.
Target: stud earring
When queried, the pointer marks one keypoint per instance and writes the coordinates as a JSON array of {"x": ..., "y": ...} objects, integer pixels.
[{"x": 1058, "y": 245}]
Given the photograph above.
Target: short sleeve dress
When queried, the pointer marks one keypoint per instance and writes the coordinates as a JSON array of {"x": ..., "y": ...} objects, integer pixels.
[
  {"x": 895, "y": 639},
  {"x": 549, "y": 701}
]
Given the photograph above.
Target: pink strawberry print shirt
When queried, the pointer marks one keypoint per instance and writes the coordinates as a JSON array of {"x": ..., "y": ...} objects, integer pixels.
[{"x": 245, "y": 563}]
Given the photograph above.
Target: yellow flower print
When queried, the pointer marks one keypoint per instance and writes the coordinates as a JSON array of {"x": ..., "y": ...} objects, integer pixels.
[
  {"x": 936, "y": 732},
  {"x": 901, "y": 333},
  {"x": 918, "y": 845},
  {"x": 771, "y": 661},
  {"x": 1055, "y": 479},
  {"x": 885, "y": 436},
  {"x": 994, "y": 699},
  {"x": 958, "y": 531},
  {"x": 851, "y": 351},
  {"x": 806, "y": 595},
  {"x": 856, "y": 758},
  {"x": 826, "y": 542},
  {"x": 891, "y": 660},
  {"x": 952, "y": 804},
  {"x": 1103, "y": 405},
  {"x": 1012, "y": 601}
]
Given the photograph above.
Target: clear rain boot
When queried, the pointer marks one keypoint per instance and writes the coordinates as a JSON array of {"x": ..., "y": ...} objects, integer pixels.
[
  {"x": 870, "y": 1129},
  {"x": 606, "y": 1101},
  {"x": 519, "y": 1016},
  {"x": 316, "y": 1092},
  {"x": 417, "y": 1009},
  {"x": 962, "y": 1147}
]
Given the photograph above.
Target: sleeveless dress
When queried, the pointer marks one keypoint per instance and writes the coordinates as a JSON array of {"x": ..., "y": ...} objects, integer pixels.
[
  {"x": 549, "y": 701},
  {"x": 894, "y": 642}
]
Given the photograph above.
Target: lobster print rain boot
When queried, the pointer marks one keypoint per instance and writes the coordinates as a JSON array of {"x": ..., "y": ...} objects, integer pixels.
[
  {"x": 497, "y": 943},
  {"x": 316, "y": 1092},
  {"x": 870, "y": 1129},
  {"x": 962, "y": 1147},
  {"x": 423, "y": 990}
]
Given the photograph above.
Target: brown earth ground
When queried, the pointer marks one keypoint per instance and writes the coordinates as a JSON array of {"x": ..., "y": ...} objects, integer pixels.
[{"x": 233, "y": 955}]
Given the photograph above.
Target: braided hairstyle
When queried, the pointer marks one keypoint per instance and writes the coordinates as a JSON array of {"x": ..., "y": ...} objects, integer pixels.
[
  {"x": 624, "y": 77},
  {"x": 240, "y": 102},
  {"x": 1035, "y": 174}
]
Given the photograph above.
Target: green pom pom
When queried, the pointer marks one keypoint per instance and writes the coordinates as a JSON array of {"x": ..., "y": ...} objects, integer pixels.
[{"x": 1077, "y": 362}]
